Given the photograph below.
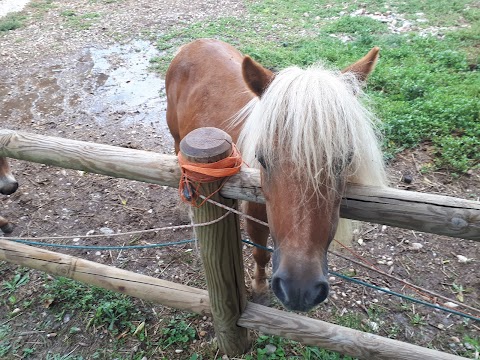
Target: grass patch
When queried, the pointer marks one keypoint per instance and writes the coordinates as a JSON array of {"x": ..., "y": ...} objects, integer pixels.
[
  {"x": 80, "y": 21},
  {"x": 106, "y": 309},
  {"x": 425, "y": 87},
  {"x": 11, "y": 22}
]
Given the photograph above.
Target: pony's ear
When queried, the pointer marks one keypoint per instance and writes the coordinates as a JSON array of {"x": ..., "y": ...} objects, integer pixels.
[
  {"x": 255, "y": 75},
  {"x": 363, "y": 67}
]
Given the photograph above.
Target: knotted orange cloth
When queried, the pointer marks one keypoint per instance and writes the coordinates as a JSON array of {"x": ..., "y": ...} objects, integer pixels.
[{"x": 196, "y": 174}]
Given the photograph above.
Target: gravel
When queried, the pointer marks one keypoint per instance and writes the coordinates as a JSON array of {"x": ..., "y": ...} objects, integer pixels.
[{"x": 61, "y": 28}]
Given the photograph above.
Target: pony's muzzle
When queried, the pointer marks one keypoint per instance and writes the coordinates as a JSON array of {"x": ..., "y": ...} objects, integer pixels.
[{"x": 299, "y": 294}]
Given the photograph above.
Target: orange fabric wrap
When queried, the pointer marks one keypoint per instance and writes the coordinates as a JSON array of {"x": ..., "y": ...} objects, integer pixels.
[{"x": 195, "y": 174}]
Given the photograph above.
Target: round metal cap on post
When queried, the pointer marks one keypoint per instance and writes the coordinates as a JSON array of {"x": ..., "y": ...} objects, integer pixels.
[{"x": 220, "y": 244}]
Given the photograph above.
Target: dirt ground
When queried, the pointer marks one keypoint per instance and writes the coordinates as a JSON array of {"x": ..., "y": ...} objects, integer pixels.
[{"x": 61, "y": 79}]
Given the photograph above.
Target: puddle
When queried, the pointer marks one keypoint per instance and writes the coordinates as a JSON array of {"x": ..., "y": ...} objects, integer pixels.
[
  {"x": 111, "y": 88},
  {"x": 127, "y": 87}
]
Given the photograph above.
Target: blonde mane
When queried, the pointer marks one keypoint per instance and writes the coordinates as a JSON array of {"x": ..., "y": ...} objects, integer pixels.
[{"x": 314, "y": 118}]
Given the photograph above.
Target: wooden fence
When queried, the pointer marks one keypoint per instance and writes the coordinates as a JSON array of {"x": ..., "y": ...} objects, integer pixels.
[{"x": 432, "y": 213}]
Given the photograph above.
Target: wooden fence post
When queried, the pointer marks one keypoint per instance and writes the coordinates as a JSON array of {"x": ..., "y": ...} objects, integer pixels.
[{"x": 220, "y": 245}]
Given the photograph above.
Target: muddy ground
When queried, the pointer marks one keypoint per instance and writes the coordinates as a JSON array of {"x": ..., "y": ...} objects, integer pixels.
[{"x": 93, "y": 83}]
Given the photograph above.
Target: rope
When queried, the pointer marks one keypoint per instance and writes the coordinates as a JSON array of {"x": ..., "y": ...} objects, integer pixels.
[
  {"x": 93, "y": 247},
  {"x": 196, "y": 174},
  {"x": 235, "y": 211},
  {"x": 176, "y": 227}
]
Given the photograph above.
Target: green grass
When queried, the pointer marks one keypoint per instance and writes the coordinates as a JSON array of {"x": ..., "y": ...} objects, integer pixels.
[
  {"x": 113, "y": 311},
  {"x": 425, "y": 88},
  {"x": 80, "y": 21},
  {"x": 11, "y": 21}
]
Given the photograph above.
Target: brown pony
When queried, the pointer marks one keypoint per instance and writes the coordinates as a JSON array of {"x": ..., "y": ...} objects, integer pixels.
[
  {"x": 8, "y": 185},
  {"x": 306, "y": 131}
]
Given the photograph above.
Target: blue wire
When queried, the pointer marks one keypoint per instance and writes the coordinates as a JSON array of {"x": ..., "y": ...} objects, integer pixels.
[
  {"x": 129, "y": 247},
  {"x": 403, "y": 296}
]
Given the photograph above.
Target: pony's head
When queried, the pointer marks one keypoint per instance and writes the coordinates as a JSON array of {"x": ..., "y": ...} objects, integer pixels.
[
  {"x": 8, "y": 184},
  {"x": 309, "y": 134}
]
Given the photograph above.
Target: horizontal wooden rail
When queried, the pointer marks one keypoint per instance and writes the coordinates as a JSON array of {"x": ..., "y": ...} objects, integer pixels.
[
  {"x": 271, "y": 321},
  {"x": 148, "y": 288},
  {"x": 436, "y": 214},
  {"x": 333, "y": 337}
]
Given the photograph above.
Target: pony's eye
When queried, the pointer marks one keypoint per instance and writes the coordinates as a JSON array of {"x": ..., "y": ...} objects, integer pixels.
[{"x": 261, "y": 160}]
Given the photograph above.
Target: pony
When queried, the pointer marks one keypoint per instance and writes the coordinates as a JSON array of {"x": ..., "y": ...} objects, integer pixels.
[
  {"x": 308, "y": 134},
  {"x": 8, "y": 185}
]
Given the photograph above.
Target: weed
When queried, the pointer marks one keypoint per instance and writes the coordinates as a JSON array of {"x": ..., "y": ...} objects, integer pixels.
[
  {"x": 5, "y": 345},
  {"x": 27, "y": 352},
  {"x": 18, "y": 281},
  {"x": 472, "y": 347},
  {"x": 417, "y": 320},
  {"x": 115, "y": 314},
  {"x": 177, "y": 333},
  {"x": 269, "y": 347}
]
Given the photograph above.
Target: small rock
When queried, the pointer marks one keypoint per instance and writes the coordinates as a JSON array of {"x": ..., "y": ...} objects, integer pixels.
[
  {"x": 463, "y": 259},
  {"x": 389, "y": 263},
  {"x": 416, "y": 246},
  {"x": 76, "y": 239},
  {"x": 90, "y": 232},
  {"x": 450, "y": 304},
  {"x": 178, "y": 351},
  {"x": 469, "y": 346},
  {"x": 202, "y": 333},
  {"x": 270, "y": 349},
  {"x": 66, "y": 318},
  {"x": 384, "y": 227},
  {"x": 51, "y": 335},
  {"x": 98, "y": 253},
  {"x": 360, "y": 241},
  {"x": 455, "y": 339},
  {"x": 373, "y": 325},
  {"x": 407, "y": 179},
  {"x": 440, "y": 326},
  {"x": 106, "y": 231},
  {"x": 16, "y": 311}
]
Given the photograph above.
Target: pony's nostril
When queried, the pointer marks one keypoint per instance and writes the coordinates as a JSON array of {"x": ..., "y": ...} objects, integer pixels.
[
  {"x": 320, "y": 292},
  {"x": 10, "y": 188},
  {"x": 279, "y": 289}
]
